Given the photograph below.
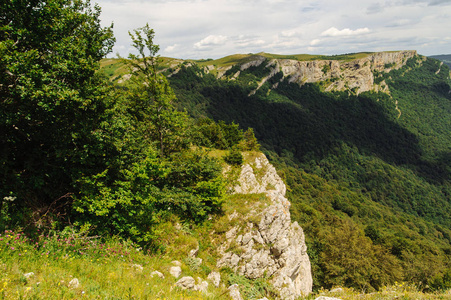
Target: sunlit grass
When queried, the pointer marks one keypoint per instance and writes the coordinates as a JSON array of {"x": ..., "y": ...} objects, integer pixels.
[
  {"x": 403, "y": 290},
  {"x": 45, "y": 267}
]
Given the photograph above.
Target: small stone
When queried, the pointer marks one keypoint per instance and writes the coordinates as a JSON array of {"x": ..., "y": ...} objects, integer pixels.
[
  {"x": 186, "y": 283},
  {"x": 326, "y": 298},
  {"x": 138, "y": 267},
  {"x": 202, "y": 287},
  {"x": 337, "y": 290},
  {"x": 215, "y": 278},
  {"x": 175, "y": 271},
  {"x": 234, "y": 292},
  {"x": 176, "y": 263},
  {"x": 74, "y": 284},
  {"x": 28, "y": 275},
  {"x": 194, "y": 252},
  {"x": 156, "y": 273}
]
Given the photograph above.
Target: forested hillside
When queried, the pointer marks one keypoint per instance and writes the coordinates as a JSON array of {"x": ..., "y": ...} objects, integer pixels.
[{"x": 369, "y": 175}]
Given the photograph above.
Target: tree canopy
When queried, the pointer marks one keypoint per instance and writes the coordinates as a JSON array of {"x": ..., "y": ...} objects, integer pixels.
[{"x": 51, "y": 104}]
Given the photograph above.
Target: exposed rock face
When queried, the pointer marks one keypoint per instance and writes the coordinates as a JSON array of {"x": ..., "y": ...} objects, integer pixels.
[
  {"x": 337, "y": 75},
  {"x": 273, "y": 247}
]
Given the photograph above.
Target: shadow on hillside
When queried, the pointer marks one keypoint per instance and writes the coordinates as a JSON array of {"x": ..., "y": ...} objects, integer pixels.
[{"x": 313, "y": 124}]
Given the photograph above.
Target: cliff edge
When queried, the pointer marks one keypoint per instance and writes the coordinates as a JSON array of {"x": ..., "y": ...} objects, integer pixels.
[
  {"x": 357, "y": 75},
  {"x": 265, "y": 243}
]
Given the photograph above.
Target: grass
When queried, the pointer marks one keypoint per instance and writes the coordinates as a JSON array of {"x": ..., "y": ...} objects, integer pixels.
[
  {"x": 403, "y": 291},
  {"x": 116, "y": 269},
  {"x": 105, "y": 270}
]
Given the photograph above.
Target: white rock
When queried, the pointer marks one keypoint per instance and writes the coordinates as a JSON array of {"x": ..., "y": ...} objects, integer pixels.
[
  {"x": 337, "y": 290},
  {"x": 28, "y": 275},
  {"x": 138, "y": 267},
  {"x": 186, "y": 283},
  {"x": 215, "y": 278},
  {"x": 194, "y": 252},
  {"x": 156, "y": 273},
  {"x": 275, "y": 246},
  {"x": 202, "y": 286},
  {"x": 175, "y": 271},
  {"x": 176, "y": 263},
  {"x": 74, "y": 284},
  {"x": 326, "y": 298},
  {"x": 234, "y": 292}
]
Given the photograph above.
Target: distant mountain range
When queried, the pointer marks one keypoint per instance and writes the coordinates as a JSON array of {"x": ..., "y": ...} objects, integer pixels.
[{"x": 446, "y": 58}]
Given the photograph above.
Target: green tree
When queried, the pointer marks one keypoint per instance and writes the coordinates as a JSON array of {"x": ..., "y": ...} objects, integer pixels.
[
  {"x": 51, "y": 101},
  {"x": 250, "y": 142},
  {"x": 151, "y": 97}
]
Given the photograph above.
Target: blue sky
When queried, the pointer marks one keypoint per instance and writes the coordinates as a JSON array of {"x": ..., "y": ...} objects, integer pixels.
[{"x": 216, "y": 28}]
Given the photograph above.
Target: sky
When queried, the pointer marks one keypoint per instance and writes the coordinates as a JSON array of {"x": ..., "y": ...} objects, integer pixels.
[{"x": 201, "y": 29}]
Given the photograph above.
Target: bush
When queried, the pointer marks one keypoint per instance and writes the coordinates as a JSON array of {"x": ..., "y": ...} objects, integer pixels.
[{"x": 234, "y": 157}]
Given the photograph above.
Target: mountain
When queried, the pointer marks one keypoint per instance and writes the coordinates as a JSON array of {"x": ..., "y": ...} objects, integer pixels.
[
  {"x": 362, "y": 142},
  {"x": 446, "y": 58}
]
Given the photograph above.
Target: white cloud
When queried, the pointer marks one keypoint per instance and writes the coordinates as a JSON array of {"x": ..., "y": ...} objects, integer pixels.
[
  {"x": 210, "y": 41},
  {"x": 248, "y": 41},
  {"x": 171, "y": 48},
  {"x": 290, "y": 33},
  {"x": 315, "y": 42},
  {"x": 344, "y": 32}
]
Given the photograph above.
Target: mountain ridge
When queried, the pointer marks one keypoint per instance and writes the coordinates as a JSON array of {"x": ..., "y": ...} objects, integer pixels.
[{"x": 336, "y": 72}]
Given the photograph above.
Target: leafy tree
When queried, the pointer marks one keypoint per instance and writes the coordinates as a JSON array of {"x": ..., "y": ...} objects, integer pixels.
[
  {"x": 152, "y": 99},
  {"x": 250, "y": 142},
  {"x": 51, "y": 104},
  {"x": 234, "y": 157}
]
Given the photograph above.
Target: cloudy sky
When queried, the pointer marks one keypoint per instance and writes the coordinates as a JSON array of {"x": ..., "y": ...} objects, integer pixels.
[{"x": 216, "y": 28}]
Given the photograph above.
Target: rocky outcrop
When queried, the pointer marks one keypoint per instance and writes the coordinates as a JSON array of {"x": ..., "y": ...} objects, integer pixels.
[
  {"x": 335, "y": 75},
  {"x": 268, "y": 244}
]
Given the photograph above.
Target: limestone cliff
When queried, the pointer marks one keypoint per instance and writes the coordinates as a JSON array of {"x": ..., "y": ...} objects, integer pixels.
[
  {"x": 357, "y": 75},
  {"x": 267, "y": 243}
]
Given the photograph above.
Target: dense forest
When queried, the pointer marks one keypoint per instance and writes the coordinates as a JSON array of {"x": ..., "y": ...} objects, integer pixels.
[{"x": 370, "y": 186}]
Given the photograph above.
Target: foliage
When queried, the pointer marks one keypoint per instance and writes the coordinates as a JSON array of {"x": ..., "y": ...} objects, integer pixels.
[
  {"x": 117, "y": 160},
  {"x": 151, "y": 98},
  {"x": 234, "y": 157},
  {"x": 148, "y": 185},
  {"x": 52, "y": 100}
]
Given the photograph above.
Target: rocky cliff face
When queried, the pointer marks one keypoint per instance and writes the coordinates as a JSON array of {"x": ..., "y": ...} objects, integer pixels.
[
  {"x": 336, "y": 75},
  {"x": 269, "y": 244}
]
